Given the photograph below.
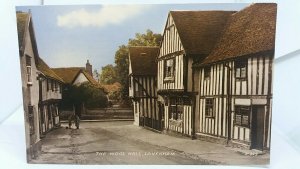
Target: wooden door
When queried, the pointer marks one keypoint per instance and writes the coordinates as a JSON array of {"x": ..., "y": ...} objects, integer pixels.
[{"x": 257, "y": 128}]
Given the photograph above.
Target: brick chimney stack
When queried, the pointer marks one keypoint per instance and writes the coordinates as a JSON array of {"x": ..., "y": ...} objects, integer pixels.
[{"x": 89, "y": 68}]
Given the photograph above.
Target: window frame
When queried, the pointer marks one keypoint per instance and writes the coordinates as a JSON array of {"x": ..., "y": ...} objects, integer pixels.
[
  {"x": 170, "y": 77},
  {"x": 207, "y": 72},
  {"x": 176, "y": 106},
  {"x": 210, "y": 105},
  {"x": 238, "y": 112},
  {"x": 240, "y": 66},
  {"x": 28, "y": 69}
]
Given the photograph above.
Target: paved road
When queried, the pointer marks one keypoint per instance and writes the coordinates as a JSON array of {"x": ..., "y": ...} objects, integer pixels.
[{"x": 94, "y": 143}]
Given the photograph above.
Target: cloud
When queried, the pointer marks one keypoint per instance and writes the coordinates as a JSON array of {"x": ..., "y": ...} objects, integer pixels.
[{"x": 108, "y": 14}]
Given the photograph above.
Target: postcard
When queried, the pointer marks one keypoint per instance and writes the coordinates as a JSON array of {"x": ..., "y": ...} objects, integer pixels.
[{"x": 147, "y": 84}]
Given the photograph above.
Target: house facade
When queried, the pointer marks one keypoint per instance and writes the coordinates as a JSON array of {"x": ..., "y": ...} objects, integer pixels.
[
  {"x": 143, "y": 86},
  {"x": 234, "y": 83},
  {"x": 188, "y": 36},
  {"x": 50, "y": 95},
  {"x": 30, "y": 86},
  {"x": 75, "y": 76}
]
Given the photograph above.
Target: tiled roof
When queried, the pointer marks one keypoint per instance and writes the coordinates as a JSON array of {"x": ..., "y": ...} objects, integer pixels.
[
  {"x": 143, "y": 60},
  {"x": 70, "y": 73},
  {"x": 22, "y": 19},
  {"x": 67, "y": 74},
  {"x": 199, "y": 30},
  {"x": 249, "y": 31},
  {"x": 47, "y": 71}
]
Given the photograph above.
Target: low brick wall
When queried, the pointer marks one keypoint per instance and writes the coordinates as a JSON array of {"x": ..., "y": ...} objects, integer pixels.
[{"x": 102, "y": 114}]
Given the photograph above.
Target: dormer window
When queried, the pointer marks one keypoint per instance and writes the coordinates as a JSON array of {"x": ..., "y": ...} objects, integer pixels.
[
  {"x": 169, "y": 69},
  {"x": 28, "y": 70},
  {"x": 241, "y": 69}
]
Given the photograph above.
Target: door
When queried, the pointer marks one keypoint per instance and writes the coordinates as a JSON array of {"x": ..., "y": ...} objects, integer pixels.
[{"x": 257, "y": 128}]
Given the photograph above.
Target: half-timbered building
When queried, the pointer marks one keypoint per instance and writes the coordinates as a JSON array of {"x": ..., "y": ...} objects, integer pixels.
[
  {"x": 188, "y": 36},
  {"x": 50, "y": 95},
  {"x": 234, "y": 83},
  {"x": 142, "y": 86}
]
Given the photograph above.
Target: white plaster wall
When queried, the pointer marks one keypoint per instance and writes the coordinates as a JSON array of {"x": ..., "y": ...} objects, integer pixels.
[{"x": 80, "y": 79}]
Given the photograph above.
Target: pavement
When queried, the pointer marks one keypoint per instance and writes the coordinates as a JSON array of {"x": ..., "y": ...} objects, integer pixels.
[{"x": 120, "y": 142}]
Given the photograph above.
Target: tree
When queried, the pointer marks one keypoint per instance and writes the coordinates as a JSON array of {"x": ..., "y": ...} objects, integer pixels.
[
  {"x": 147, "y": 39},
  {"x": 121, "y": 56},
  {"x": 108, "y": 75},
  {"x": 121, "y": 61},
  {"x": 93, "y": 96}
]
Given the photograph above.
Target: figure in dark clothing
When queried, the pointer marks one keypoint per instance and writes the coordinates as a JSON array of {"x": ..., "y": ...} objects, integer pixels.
[
  {"x": 77, "y": 121},
  {"x": 70, "y": 118},
  {"x": 77, "y": 115}
]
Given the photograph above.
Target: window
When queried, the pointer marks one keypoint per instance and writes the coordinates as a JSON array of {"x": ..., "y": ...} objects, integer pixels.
[
  {"x": 206, "y": 73},
  {"x": 241, "y": 117},
  {"x": 241, "y": 69},
  {"x": 28, "y": 69},
  {"x": 31, "y": 119},
  {"x": 169, "y": 69},
  {"x": 176, "y": 112},
  {"x": 176, "y": 107},
  {"x": 209, "y": 108}
]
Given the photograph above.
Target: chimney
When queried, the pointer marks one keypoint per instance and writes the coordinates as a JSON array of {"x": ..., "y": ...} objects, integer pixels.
[{"x": 89, "y": 68}]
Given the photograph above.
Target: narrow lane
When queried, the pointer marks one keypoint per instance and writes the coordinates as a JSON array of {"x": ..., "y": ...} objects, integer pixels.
[{"x": 93, "y": 144}]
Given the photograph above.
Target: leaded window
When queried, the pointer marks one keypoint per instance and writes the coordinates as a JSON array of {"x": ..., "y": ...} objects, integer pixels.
[
  {"x": 242, "y": 116},
  {"x": 209, "y": 108},
  {"x": 241, "y": 69}
]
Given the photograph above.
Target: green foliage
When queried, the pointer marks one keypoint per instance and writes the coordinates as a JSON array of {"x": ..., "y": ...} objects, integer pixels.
[
  {"x": 147, "y": 39},
  {"x": 108, "y": 75},
  {"x": 121, "y": 61},
  {"x": 93, "y": 96}
]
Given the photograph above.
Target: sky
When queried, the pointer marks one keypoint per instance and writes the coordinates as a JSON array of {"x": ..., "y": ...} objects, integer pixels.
[{"x": 69, "y": 35}]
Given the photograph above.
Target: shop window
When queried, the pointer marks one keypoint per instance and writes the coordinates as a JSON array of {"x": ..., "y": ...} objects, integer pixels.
[
  {"x": 242, "y": 114},
  {"x": 176, "y": 108}
]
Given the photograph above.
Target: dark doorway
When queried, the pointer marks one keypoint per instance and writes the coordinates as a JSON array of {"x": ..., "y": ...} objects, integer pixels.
[{"x": 257, "y": 129}]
